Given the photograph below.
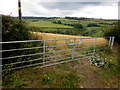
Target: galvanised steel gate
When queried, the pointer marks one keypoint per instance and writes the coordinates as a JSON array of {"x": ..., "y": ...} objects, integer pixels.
[{"x": 50, "y": 52}]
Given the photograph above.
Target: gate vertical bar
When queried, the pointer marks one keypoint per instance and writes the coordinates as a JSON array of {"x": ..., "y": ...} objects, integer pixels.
[
  {"x": 73, "y": 51},
  {"x": 44, "y": 43},
  {"x": 94, "y": 46},
  {"x": 1, "y": 52},
  {"x": 112, "y": 42}
]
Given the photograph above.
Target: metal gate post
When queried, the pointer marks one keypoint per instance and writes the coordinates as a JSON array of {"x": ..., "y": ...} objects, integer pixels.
[
  {"x": 44, "y": 52},
  {"x": 73, "y": 51},
  {"x": 94, "y": 46},
  {"x": 112, "y": 42}
]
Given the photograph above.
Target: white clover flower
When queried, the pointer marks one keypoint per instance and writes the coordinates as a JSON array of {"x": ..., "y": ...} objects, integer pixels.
[
  {"x": 102, "y": 63},
  {"x": 93, "y": 59},
  {"x": 98, "y": 65},
  {"x": 95, "y": 64},
  {"x": 98, "y": 59},
  {"x": 106, "y": 66}
]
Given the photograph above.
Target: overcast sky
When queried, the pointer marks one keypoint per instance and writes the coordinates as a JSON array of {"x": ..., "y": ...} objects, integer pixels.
[{"x": 106, "y": 9}]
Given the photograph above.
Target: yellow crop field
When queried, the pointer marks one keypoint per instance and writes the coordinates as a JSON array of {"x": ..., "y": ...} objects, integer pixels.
[{"x": 46, "y": 36}]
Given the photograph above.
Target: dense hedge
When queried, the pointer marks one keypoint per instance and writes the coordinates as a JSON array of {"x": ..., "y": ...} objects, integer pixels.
[
  {"x": 13, "y": 30},
  {"x": 115, "y": 31},
  {"x": 93, "y": 25}
]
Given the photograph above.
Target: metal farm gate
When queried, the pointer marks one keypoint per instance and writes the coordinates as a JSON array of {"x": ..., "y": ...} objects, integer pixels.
[{"x": 50, "y": 52}]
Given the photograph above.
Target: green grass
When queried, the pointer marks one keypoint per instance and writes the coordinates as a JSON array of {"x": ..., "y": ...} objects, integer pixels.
[
  {"x": 60, "y": 79},
  {"x": 66, "y": 22},
  {"x": 48, "y": 24},
  {"x": 61, "y": 76},
  {"x": 112, "y": 56},
  {"x": 69, "y": 75}
]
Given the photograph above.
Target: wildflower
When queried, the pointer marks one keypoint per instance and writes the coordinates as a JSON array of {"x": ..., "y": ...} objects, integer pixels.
[{"x": 95, "y": 64}]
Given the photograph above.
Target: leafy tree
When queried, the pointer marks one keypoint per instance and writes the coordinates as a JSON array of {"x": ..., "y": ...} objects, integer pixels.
[
  {"x": 59, "y": 22},
  {"x": 78, "y": 26},
  {"x": 115, "y": 31}
]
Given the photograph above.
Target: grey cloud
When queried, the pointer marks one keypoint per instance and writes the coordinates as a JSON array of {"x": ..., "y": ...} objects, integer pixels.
[
  {"x": 53, "y": 13},
  {"x": 79, "y": 1},
  {"x": 64, "y": 8},
  {"x": 36, "y": 12},
  {"x": 67, "y": 5}
]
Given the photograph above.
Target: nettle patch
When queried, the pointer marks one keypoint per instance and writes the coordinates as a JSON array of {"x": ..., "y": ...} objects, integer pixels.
[{"x": 99, "y": 61}]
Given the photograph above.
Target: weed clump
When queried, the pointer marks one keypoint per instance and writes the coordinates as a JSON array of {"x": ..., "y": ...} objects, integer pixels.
[{"x": 99, "y": 61}]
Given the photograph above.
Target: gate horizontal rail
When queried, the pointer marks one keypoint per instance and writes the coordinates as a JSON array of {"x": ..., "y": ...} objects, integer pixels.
[
  {"x": 49, "y": 40},
  {"x": 53, "y": 51}
]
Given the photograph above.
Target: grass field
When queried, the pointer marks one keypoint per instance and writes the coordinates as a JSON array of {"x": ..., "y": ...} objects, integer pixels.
[
  {"x": 67, "y": 26},
  {"x": 47, "y": 24},
  {"x": 77, "y": 74}
]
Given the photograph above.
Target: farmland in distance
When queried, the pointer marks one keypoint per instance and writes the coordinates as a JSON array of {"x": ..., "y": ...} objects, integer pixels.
[{"x": 83, "y": 27}]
